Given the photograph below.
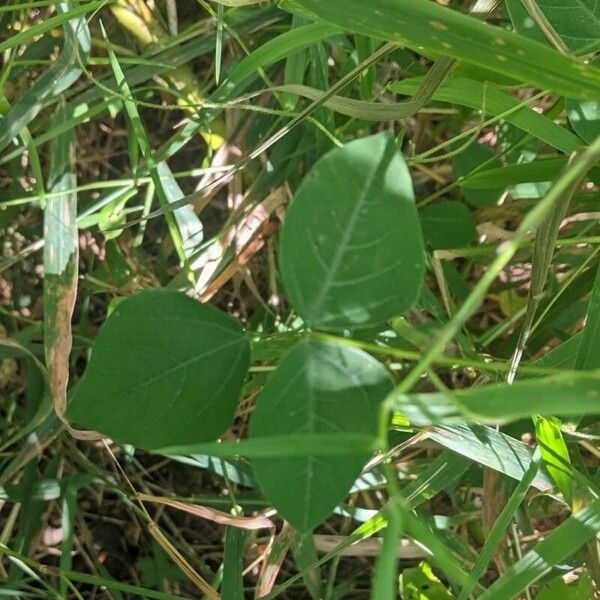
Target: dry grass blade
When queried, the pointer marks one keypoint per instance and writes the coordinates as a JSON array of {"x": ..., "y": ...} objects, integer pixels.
[{"x": 216, "y": 516}]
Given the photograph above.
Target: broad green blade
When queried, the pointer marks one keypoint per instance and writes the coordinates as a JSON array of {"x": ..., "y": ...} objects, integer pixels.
[{"x": 429, "y": 27}]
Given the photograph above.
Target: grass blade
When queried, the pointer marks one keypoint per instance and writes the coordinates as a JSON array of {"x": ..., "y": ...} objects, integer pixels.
[
  {"x": 233, "y": 564},
  {"x": 427, "y": 26},
  {"x": 558, "y": 546},
  {"x": 59, "y": 77},
  {"x": 61, "y": 252},
  {"x": 574, "y": 394},
  {"x": 500, "y": 526}
]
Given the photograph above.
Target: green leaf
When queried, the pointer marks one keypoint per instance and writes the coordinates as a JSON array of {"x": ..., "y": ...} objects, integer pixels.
[
  {"x": 588, "y": 351},
  {"x": 61, "y": 253},
  {"x": 351, "y": 250},
  {"x": 475, "y": 94},
  {"x": 541, "y": 263},
  {"x": 584, "y": 115},
  {"x": 584, "y": 118},
  {"x": 498, "y": 530},
  {"x": 190, "y": 226},
  {"x": 571, "y": 395},
  {"x": 490, "y": 448},
  {"x": 283, "y": 446},
  {"x": 563, "y": 356},
  {"x": 557, "y": 589},
  {"x": 535, "y": 171},
  {"x": 60, "y": 76},
  {"x": 426, "y": 26},
  {"x": 295, "y": 67},
  {"x": 164, "y": 370},
  {"x": 233, "y": 564},
  {"x": 561, "y": 543},
  {"x": 555, "y": 454},
  {"x": 420, "y": 583},
  {"x": 167, "y": 193},
  {"x": 576, "y": 22},
  {"x": 448, "y": 225},
  {"x": 319, "y": 388},
  {"x": 305, "y": 555},
  {"x": 466, "y": 161}
]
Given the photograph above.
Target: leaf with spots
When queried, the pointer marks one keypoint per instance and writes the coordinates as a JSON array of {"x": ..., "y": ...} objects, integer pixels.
[
  {"x": 165, "y": 370},
  {"x": 319, "y": 388},
  {"x": 426, "y": 26},
  {"x": 60, "y": 261},
  {"x": 351, "y": 250}
]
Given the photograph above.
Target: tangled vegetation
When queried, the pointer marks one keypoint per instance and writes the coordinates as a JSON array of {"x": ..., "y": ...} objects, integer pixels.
[{"x": 300, "y": 299}]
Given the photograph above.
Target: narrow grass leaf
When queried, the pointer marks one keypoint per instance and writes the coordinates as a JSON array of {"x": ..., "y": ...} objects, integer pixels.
[
  {"x": 378, "y": 111},
  {"x": 500, "y": 526},
  {"x": 475, "y": 94},
  {"x": 282, "y": 446},
  {"x": 295, "y": 67},
  {"x": 233, "y": 564},
  {"x": 61, "y": 257},
  {"x": 219, "y": 42},
  {"x": 59, "y": 77},
  {"x": 535, "y": 171},
  {"x": 588, "y": 351},
  {"x": 556, "y": 548},
  {"x": 555, "y": 454},
  {"x": 305, "y": 555},
  {"x": 491, "y": 448},
  {"x": 385, "y": 578},
  {"x": 427, "y": 26},
  {"x": 146, "y": 150},
  {"x": 502, "y": 403},
  {"x": 541, "y": 261}
]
